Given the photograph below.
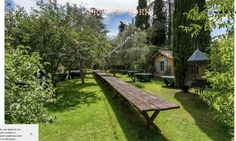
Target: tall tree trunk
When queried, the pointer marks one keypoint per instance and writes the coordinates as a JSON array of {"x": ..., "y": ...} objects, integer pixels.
[
  {"x": 82, "y": 80},
  {"x": 82, "y": 73},
  {"x": 170, "y": 23}
]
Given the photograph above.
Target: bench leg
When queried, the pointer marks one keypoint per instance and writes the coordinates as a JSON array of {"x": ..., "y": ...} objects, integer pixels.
[
  {"x": 123, "y": 102},
  {"x": 151, "y": 119},
  {"x": 107, "y": 85},
  {"x": 115, "y": 95}
]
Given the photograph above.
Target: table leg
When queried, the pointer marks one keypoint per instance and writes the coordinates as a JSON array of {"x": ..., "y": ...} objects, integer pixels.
[
  {"x": 115, "y": 95},
  {"x": 151, "y": 119}
]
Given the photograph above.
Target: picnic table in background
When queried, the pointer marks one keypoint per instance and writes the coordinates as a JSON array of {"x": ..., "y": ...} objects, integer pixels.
[
  {"x": 143, "y": 77},
  {"x": 60, "y": 76},
  {"x": 123, "y": 71},
  {"x": 131, "y": 73},
  {"x": 169, "y": 80},
  {"x": 74, "y": 74}
]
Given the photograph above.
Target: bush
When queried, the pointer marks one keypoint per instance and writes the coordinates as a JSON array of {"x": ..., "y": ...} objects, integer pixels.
[
  {"x": 221, "y": 77},
  {"x": 25, "y": 103}
]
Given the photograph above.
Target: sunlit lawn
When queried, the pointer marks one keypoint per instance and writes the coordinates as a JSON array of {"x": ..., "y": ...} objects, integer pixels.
[{"x": 87, "y": 112}]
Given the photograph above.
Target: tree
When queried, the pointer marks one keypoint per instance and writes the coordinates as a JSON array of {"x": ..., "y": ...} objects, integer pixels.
[
  {"x": 63, "y": 35},
  {"x": 43, "y": 30},
  {"x": 88, "y": 39},
  {"x": 158, "y": 34},
  {"x": 134, "y": 51},
  {"x": 121, "y": 27},
  {"x": 183, "y": 44},
  {"x": 25, "y": 102},
  {"x": 141, "y": 19},
  {"x": 67, "y": 36},
  {"x": 220, "y": 73},
  {"x": 18, "y": 26}
]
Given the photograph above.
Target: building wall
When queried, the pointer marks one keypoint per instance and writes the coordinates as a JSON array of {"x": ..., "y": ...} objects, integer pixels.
[{"x": 169, "y": 67}]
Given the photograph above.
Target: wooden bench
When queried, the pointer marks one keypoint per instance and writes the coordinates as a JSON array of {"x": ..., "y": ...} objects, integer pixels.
[
  {"x": 169, "y": 80},
  {"x": 143, "y": 101}
]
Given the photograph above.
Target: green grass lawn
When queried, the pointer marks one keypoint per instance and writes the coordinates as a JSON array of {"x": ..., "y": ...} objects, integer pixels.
[{"x": 87, "y": 112}]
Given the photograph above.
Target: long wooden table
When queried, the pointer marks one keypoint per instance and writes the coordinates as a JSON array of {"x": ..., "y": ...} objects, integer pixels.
[{"x": 143, "y": 101}]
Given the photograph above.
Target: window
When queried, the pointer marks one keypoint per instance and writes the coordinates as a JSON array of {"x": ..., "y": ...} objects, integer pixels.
[{"x": 162, "y": 65}]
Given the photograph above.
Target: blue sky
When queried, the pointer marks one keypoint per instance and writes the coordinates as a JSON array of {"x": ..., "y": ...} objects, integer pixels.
[
  {"x": 9, "y": 3},
  {"x": 110, "y": 20}
]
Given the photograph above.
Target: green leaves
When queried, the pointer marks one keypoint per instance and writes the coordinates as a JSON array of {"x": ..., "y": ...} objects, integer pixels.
[
  {"x": 221, "y": 77},
  {"x": 62, "y": 35},
  {"x": 134, "y": 52},
  {"x": 25, "y": 103},
  {"x": 221, "y": 17},
  {"x": 221, "y": 69},
  {"x": 188, "y": 34}
]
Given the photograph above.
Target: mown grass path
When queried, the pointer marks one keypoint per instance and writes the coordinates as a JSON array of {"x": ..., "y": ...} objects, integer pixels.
[{"x": 88, "y": 113}]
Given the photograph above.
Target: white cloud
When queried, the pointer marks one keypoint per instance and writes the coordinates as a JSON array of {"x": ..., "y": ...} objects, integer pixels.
[
  {"x": 27, "y": 4},
  {"x": 100, "y": 4},
  {"x": 112, "y": 34},
  {"x": 105, "y": 4}
]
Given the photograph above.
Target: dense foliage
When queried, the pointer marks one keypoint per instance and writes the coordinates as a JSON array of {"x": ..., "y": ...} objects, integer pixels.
[
  {"x": 137, "y": 43},
  {"x": 142, "y": 17},
  {"x": 25, "y": 96},
  {"x": 65, "y": 36},
  {"x": 221, "y": 77},
  {"x": 221, "y": 69},
  {"x": 159, "y": 28},
  {"x": 121, "y": 27},
  {"x": 134, "y": 53},
  {"x": 183, "y": 44}
]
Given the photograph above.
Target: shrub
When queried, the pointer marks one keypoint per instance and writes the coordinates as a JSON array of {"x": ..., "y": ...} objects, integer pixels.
[
  {"x": 25, "y": 103},
  {"x": 221, "y": 77}
]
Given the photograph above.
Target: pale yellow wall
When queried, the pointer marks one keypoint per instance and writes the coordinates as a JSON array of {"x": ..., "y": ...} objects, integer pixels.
[{"x": 170, "y": 65}]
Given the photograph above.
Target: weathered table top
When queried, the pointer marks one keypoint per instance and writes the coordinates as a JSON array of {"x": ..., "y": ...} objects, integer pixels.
[{"x": 144, "y": 101}]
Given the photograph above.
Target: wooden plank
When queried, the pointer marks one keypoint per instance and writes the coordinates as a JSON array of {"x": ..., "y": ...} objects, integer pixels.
[
  {"x": 144, "y": 96},
  {"x": 129, "y": 95},
  {"x": 136, "y": 95},
  {"x": 142, "y": 100}
]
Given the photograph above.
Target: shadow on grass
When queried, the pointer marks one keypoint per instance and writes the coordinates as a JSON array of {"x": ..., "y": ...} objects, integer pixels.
[
  {"x": 117, "y": 76},
  {"x": 203, "y": 116},
  {"x": 169, "y": 87},
  {"x": 71, "y": 94},
  {"x": 130, "y": 120},
  {"x": 139, "y": 85}
]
